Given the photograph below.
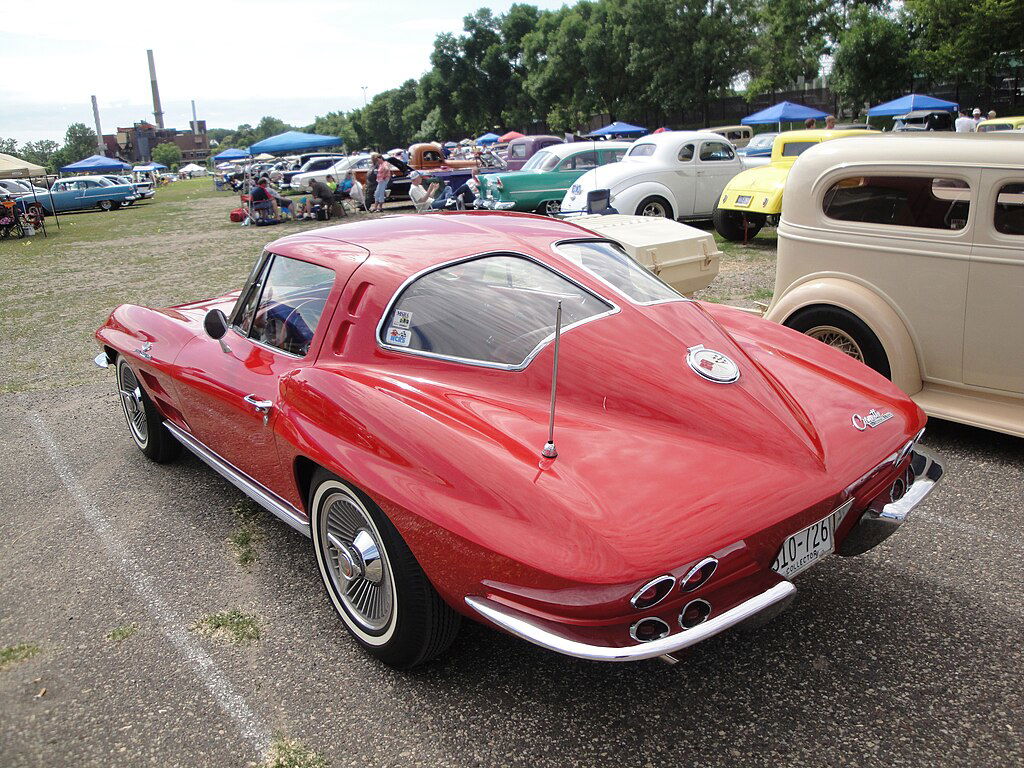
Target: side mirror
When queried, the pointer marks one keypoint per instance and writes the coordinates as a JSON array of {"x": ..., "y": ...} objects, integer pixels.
[{"x": 215, "y": 324}]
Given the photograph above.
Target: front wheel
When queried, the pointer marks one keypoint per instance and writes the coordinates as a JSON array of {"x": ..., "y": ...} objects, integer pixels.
[
  {"x": 144, "y": 421},
  {"x": 844, "y": 331},
  {"x": 655, "y": 205},
  {"x": 736, "y": 226},
  {"x": 372, "y": 578}
]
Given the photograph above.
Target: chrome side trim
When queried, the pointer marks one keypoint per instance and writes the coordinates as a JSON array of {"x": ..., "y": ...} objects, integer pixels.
[
  {"x": 526, "y": 627},
  {"x": 880, "y": 520},
  {"x": 259, "y": 493}
]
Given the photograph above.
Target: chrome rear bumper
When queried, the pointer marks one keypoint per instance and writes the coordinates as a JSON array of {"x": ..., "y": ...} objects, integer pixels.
[
  {"x": 529, "y": 628},
  {"x": 880, "y": 520}
]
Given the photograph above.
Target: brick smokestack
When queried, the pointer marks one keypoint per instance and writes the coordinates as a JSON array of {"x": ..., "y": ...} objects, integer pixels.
[{"x": 157, "y": 112}]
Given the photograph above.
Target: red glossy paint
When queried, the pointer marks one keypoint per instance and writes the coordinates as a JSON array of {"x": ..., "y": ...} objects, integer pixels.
[{"x": 657, "y": 468}]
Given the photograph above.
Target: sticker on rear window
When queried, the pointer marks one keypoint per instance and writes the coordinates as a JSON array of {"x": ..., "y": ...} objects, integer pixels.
[
  {"x": 400, "y": 337},
  {"x": 403, "y": 318}
]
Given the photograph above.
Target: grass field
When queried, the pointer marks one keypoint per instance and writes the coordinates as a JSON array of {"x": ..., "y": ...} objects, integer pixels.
[{"x": 177, "y": 247}]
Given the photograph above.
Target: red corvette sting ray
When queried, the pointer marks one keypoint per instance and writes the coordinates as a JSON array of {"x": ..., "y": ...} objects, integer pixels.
[{"x": 504, "y": 417}]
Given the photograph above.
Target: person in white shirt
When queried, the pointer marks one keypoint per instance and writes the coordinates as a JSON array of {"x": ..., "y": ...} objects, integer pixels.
[
  {"x": 976, "y": 118},
  {"x": 964, "y": 124},
  {"x": 425, "y": 199}
]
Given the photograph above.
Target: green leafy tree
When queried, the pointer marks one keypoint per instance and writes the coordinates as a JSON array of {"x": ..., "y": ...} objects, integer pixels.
[
  {"x": 79, "y": 143},
  {"x": 167, "y": 154},
  {"x": 872, "y": 60},
  {"x": 8, "y": 146},
  {"x": 40, "y": 152},
  {"x": 788, "y": 39}
]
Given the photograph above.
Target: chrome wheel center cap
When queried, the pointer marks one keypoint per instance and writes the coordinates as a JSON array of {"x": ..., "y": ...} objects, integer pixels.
[{"x": 358, "y": 560}]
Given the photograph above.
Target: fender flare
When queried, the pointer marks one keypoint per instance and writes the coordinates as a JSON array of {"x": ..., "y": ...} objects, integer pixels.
[
  {"x": 874, "y": 310},
  {"x": 634, "y": 193}
]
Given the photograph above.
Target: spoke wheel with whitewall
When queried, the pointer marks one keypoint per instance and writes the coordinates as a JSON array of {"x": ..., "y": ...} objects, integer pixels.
[
  {"x": 844, "y": 331},
  {"x": 145, "y": 424}
]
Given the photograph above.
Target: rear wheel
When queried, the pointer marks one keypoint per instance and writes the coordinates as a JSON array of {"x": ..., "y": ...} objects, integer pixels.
[
  {"x": 549, "y": 207},
  {"x": 844, "y": 331},
  {"x": 145, "y": 423},
  {"x": 737, "y": 226},
  {"x": 372, "y": 578},
  {"x": 655, "y": 205},
  {"x": 106, "y": 205}
]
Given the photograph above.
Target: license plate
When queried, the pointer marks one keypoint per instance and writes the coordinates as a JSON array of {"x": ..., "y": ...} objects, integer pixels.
[
  {"x": 743, "y": 199},
  {"x": 805, "y": 548}
]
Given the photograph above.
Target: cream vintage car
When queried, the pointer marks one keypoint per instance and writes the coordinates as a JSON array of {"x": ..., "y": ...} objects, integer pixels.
[{"x": 907, "y": 252}]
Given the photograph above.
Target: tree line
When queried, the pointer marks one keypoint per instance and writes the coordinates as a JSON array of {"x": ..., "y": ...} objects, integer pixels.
[{"x": 529, "y": 69}]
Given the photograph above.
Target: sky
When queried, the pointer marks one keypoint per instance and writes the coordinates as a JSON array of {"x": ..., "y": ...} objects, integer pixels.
[{"x": 293, "y": 60}]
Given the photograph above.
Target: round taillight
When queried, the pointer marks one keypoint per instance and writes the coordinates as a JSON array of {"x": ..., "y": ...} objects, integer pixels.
[
  {"x": 653, "y": 592},
  {"x": 651, "y": 628},
  {"x": 699, "y": 575},
  {"x": 694, "y": 612}
]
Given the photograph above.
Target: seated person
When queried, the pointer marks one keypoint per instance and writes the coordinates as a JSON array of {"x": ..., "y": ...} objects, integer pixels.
[
  {"x": 320, "y": 194},
  {"x": 331, "y": 184},
  {"x": 427, "y": 199},
  {"x": 345, "y": 187},
  {"x": 470, "y": 191},
  {"x": 262, "y": 200}
]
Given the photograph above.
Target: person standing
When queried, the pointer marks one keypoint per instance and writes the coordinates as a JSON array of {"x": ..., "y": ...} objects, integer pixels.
[
  {"x": 830, "y": 122},
  {"x": 371, "y": 180},
  {"x": 383, "y": 179},
  {"x": 810, "y": 123},
  {"x": 963, "y": 124},
  {"x": 991, "y": 114},
  {"x": 976, "y": 118}
]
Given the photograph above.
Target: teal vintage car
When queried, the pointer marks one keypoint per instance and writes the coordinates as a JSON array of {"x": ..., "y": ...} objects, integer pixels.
[
  {"x": 542, "y": 182},
  {"x": 78, "y": 193}
]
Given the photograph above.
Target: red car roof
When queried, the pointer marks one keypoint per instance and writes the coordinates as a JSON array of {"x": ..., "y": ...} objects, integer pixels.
[{"x": 417, "y": 242}]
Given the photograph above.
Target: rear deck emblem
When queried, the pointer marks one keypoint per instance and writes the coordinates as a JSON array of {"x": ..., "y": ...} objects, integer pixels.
[
  {"x": 712, "y": 365},
  {"x": 873, "y": 419}
]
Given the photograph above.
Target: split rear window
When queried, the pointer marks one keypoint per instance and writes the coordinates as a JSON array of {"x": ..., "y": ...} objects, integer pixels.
[{"x": 496, "y": 311}]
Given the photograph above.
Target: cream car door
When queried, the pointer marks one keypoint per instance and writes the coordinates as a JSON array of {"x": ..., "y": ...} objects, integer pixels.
[
  {"x": 716, "y": 164},
  {"x": 994, "y": 329}
]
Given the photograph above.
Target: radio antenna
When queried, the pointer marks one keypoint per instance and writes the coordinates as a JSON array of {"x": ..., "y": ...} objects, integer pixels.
[{"x": 549, "y": 451}]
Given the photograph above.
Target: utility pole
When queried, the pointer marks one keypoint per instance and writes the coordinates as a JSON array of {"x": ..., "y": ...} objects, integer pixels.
[
  {"x": 101, "y": 148},
  {"x": 364, "y": 94}
]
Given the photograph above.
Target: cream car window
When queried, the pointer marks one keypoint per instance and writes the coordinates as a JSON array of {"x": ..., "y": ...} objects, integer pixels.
[
  {"x": 1009, "y": 213},
  {"x": 905, "y": 201}
]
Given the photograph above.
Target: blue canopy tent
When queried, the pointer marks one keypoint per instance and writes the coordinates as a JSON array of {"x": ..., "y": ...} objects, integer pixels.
[
  {"x": 783, "y": 112},
  {"x": 291, "y": 141},
  {"x": 96, "y": 164},
  {"x": 909, "y": 103},
  {"x": 488, "y": 138},
  {"x": 231, "y": 154},
  {"x": 619, "y": 129}
]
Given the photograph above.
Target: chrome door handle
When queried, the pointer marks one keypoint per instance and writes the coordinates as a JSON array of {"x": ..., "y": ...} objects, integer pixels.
[{"x": 263, "y": 406}]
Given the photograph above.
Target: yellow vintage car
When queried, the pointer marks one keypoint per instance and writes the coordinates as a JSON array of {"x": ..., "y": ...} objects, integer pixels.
[
  {"x": 755, "y": 195},
  {"x": 1001, "y": 124}
]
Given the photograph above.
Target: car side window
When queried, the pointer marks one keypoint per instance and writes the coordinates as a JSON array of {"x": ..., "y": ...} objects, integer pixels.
[
  {"x": 611, "y": 156},
  {"x": 581, "y": 162},
  {"x": 518, "y": 150},
  {"x": 905, "y": 201},
  {"x": 1009, "y": 213},
  {"x": 713, "y": 151},
  {"x": 291, "y": 300},
  {"x": 686, "y": 153}
]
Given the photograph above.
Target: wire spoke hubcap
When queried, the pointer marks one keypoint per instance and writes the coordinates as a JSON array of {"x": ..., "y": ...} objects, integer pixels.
[
  {"x": 357, "y": 564},
  {"x": 131, "y": 401},
  {"x": 837, "y": 338},
  {"x": 653, "y": 209}
]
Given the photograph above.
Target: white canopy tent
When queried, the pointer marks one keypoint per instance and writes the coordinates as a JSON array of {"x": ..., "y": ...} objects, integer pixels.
[
  {"x": 192, "y": 168},
  {"x": 12, "y": 167}
]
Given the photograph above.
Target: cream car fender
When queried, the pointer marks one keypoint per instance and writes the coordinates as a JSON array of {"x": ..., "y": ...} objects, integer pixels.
[
  {"x": 629, "y": 198},
  {"x": 867, "y": 305}
]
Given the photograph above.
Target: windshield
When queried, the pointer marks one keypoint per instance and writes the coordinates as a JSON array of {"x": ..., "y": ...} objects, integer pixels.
[
  {"x": 493, "y": 310},
  {"x": 761, "y": 141},
  {"x": 611, "y": 264},
  {"x": 641, "y": 150},
  {"x": 542, "y": 161}
]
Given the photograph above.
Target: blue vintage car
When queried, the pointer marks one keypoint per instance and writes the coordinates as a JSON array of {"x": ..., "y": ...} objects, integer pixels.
[{"x": 79, "y": 193}]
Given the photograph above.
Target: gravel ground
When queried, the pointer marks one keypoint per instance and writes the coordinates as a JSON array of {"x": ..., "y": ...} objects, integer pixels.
[{"x": 910, "y": 655}]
